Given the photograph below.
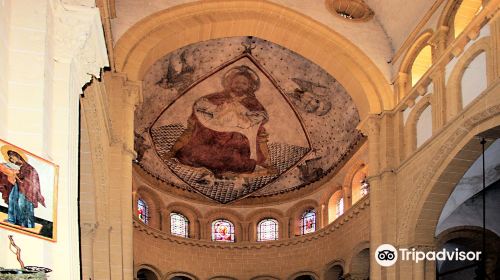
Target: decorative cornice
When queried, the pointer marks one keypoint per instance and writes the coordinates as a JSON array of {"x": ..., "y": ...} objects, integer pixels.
[
  {"x": 79, "y": 40},
  {"x": 349, "y": 215}
]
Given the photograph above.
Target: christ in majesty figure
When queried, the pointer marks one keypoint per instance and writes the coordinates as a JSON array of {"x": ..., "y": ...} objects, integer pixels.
[{"x": 226, "y": 133}]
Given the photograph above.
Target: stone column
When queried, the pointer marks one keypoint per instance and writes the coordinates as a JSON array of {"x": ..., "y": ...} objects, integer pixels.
[
  {"x": 401, "y": 86},
  {"x": 204, "y": 229},
  {"x": 286, "y": 227},
  {"x": 438, "y": 99},
  {"x": 382, "y": 145},
  {"x": 124, "y": 95},
  {"x": 78, "y": 53},
  {"x": 419, "y": 270},
  {"x": 245, "y": 231},
  {"x": 495, "y": 45},
  {"x": 438, "y": 42},
  {"x": 371, "y": 128},
  {"x": 87, "y": 232},
  {"x": 92, "y": 112}
]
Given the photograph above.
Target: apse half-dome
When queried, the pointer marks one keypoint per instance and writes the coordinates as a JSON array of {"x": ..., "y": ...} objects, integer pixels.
[{"x": 237, "y": 117}]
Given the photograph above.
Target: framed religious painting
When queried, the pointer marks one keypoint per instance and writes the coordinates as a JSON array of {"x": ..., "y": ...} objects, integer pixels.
[{"x": 28, "y": 185}]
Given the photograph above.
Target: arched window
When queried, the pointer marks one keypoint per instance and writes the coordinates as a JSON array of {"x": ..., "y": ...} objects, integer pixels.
[
  {"x": 146, "y": 274},
  {"x": 365, "y": 186},
  {"x": 180, "y": 278},
  {"x": 339, "y": 207},
  {"x": 267, "y": 229},
  {"x": 179, "y": 225},
  {"x": 335, "y": 206},
  {"x": 304, "y": 277},
  {"x": 359, "y": 184},
  {"x": 142, "y": 211},
  {"x": 422, "y": 62},
  {"x": 308, "y": 222},
  {"x": 465, "y": 12},
  {"x": 222, "y": 230}
]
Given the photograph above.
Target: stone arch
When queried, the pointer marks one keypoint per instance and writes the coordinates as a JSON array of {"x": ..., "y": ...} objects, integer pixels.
[
  {"x": 405, "y": 68},
  {"x": 168, "y": 30},
  {"x": 256, "y": 216},
  {"x": 265, "y": 277},
  {"x": 356, "y": 193},
  {"x": 170, "y": 276},
  {"x": 355, "y": 251},
  {"x": 331, "y": 205},
  {"x": 359, "y": 266},
  {"x": 332, "y": 269},
  {"x": 149, "y": 268},
  {"x": 295, "y": 213},
  {"x": 303, "y": 273},
  {"x": 226, "y": 214},
  {"x": 410, "y": 130},
  {"x": 347, "y": 185},
  {"x": 187, "y": 211},
  {"x": 155, "y": 205},
  {"x": 325, "y": 200},
  {"x": 442, "y": 174},
  {"x": 223, "y": 278},
  {"x": 470, "y": 238},
  {"x": 464, "y": 232},
  {"x": 447, "y": 18},
  {"x": 454, "y": 85}
]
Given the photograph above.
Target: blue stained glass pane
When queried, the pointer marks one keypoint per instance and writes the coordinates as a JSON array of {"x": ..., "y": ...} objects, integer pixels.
[
  {"x": 142, "y": 211},
  {"x": 308, "y": 222}
]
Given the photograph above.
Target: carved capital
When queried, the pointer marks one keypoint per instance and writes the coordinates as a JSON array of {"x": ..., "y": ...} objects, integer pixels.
[
  {"x": 79, "y": 40},
  {"x": 134, "y": 93},
  {"x": 132, "y": 89},
  {"x": 438, "y": 39},
  {"x": 370, "y": 126}
]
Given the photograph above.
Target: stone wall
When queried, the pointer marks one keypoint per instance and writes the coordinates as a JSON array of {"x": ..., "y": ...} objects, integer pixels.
[{"x": 340, "y": 241}]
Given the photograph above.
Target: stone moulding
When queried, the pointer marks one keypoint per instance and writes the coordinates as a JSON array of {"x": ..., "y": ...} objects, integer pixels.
[{"x": 351, "y": 214}]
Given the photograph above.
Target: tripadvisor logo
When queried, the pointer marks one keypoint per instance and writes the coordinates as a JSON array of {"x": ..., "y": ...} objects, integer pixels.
[{"x": 387, "y": 255}]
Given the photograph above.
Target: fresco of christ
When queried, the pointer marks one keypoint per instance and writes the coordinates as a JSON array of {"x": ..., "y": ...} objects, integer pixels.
[{"x": 226, "y": 132}]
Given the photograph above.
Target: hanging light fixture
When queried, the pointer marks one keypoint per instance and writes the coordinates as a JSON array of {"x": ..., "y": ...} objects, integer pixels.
[{"x": 353, "y": 10}]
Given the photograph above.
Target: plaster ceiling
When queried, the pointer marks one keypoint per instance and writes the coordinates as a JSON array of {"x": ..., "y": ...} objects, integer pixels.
[
  {"x": 398, "y": 18},
  {"x": 379, "y": 37}
]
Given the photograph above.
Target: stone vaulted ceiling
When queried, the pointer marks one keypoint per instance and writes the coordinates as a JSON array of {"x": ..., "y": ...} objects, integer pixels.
[{"x": 379, "y": 37}]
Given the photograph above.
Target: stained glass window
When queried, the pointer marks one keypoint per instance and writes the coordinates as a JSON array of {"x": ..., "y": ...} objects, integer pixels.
[
  {"x": 179, "y": 225},
  {"x": 222, "y": 230},
  {"x": 308, "y": 222},
  {"x": 340, "y": 207},
  {"x": 267, "y": 229},
  {"x": 142, "y": 210}
]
